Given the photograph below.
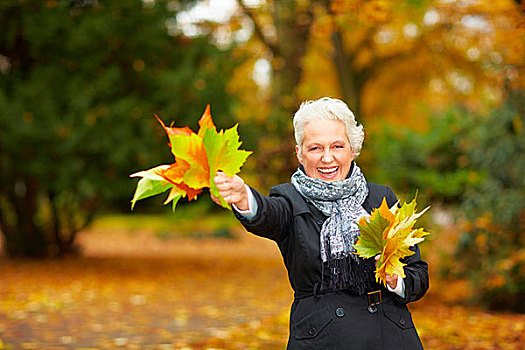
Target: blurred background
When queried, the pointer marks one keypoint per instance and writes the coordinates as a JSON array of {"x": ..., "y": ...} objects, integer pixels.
[{"x": 438, "y": 85}]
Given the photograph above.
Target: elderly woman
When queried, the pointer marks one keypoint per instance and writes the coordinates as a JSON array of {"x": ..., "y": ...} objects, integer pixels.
[{"x": 337, "y": 303}]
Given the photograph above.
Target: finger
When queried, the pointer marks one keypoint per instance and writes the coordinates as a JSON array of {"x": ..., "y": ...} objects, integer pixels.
[
  {"x": 391, "y": 280},
  {"x": 229, "y": 199},
  {"x": 215, "y": 199},
  {"x": 222, "y": 179},
  {"x": 219, "y": 178},
  {"x": 220, "y": 173},
  {"x": 223, "y": 182},
  {"x": 224, "y": 193}
]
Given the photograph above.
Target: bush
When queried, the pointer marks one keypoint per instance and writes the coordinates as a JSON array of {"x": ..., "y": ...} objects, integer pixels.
[
  {"x": 491, "y": 250},
  {"x": 433, "y": 162}
]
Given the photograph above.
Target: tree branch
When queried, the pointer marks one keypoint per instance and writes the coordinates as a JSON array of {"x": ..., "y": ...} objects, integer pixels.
[
  {"x": 351, "y": 87},
  {"x": 258, "y": 30}
]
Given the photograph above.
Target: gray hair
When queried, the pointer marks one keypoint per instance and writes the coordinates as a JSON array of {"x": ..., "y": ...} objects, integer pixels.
[{"x": 328, "y": 108}]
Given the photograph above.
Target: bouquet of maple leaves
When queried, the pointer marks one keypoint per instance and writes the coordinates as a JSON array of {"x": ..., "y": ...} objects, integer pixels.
[
  {"x": 198, "y": 157},
  {"x": 390, "y": 233}
]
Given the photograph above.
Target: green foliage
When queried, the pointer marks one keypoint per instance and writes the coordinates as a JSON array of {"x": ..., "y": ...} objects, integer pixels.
[
  {"x": 491, "y": 250},
  {"x": 476, "y": 163},
  {"x": 80, "y": 82},
  {"x": 433, "y": 161}
]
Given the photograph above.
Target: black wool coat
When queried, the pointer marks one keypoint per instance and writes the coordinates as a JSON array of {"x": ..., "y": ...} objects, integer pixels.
[{"x": 333, "y": 320}]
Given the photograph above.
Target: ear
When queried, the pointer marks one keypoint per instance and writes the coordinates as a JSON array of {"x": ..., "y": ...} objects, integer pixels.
[
  {"x": 299, "y": 155},
  {"x": 353, "y": 154}
]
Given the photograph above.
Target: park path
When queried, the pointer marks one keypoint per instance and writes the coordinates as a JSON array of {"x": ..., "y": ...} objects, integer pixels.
[{"x": 133, "y": 290}]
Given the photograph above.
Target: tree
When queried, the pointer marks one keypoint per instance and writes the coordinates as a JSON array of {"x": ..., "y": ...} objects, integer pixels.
[
  {"x": 80, "y": 83},
  {"x": 387, "y": 59}
]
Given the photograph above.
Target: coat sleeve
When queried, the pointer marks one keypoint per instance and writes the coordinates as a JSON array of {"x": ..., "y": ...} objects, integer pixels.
[
  {"x": 416, "y": 270},
  {"x": 273, "y": 217},
  {"x": 416, "y": 279}
]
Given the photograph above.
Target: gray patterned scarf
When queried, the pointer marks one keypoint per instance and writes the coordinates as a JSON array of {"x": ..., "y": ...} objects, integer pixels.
[{"x": 342, "y": 202}]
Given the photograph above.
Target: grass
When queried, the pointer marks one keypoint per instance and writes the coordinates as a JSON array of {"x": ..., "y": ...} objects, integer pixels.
[{"x": 192, "y": 221}]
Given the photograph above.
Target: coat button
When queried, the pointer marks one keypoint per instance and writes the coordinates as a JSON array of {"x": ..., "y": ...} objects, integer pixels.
[
  {"x": 402, "y": 321},
  {"x": 372, "y": 309},
  {"x": 340, "y": 312},
  {"x": 320, "y": 222},
  {"x": 311, "y": 331}
]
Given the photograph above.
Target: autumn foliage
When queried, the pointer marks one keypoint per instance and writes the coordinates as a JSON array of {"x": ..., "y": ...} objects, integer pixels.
[
  {"x": 198, "y": 157},
  {"x": 390, "y": 233}
]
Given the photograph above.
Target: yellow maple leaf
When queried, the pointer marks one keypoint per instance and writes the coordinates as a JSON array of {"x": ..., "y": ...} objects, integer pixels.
[{"x": 390, "y": 233}]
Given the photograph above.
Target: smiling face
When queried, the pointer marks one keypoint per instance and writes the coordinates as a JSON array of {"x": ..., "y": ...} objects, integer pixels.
[{"x": 325, "y": 152}]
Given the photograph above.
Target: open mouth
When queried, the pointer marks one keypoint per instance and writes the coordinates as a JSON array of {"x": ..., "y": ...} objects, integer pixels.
[{"x": 328, "y": 172}]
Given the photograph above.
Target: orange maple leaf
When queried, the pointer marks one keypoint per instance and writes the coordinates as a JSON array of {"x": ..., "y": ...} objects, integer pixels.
[
  {"x": 175, "y": 172},
  {"x": 174, "y": 175},
  {"x": 174, "y": 131},
  {"x": 206, "y": 122}
]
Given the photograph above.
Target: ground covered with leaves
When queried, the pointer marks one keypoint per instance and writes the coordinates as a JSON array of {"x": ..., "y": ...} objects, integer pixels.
[{"x": 145, "y": 289}]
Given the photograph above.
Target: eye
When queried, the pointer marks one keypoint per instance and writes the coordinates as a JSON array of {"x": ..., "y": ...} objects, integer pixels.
[
  {"x": 339, "y": 146},
  {"x": 315, "y": 149}
]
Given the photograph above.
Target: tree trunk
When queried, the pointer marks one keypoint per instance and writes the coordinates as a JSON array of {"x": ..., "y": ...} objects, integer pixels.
[
  {"x": 25, "y": 244},
  {"x": 23, "y": 238},
  {"x": 23, "y": 234},
  {"x": 349, "y": 81}
]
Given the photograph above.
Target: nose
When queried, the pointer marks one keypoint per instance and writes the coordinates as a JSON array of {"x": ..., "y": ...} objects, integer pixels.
[{"x": 327, "y": 157}]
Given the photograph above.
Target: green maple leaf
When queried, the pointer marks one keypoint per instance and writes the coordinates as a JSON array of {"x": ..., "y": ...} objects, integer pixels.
[
  {"x": 151, "y": 184},
  {"x": 223, "y": 153},
  {"x": 370, "y": 243}
]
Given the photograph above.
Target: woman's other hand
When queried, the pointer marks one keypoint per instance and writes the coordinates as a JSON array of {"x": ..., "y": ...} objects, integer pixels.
[
  {"x": 391, "y": 280},
  {"x": 232, "y": 189}
]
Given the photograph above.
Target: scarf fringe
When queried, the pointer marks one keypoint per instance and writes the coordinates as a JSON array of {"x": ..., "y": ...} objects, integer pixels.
[{"x": 350, "y": 274}]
